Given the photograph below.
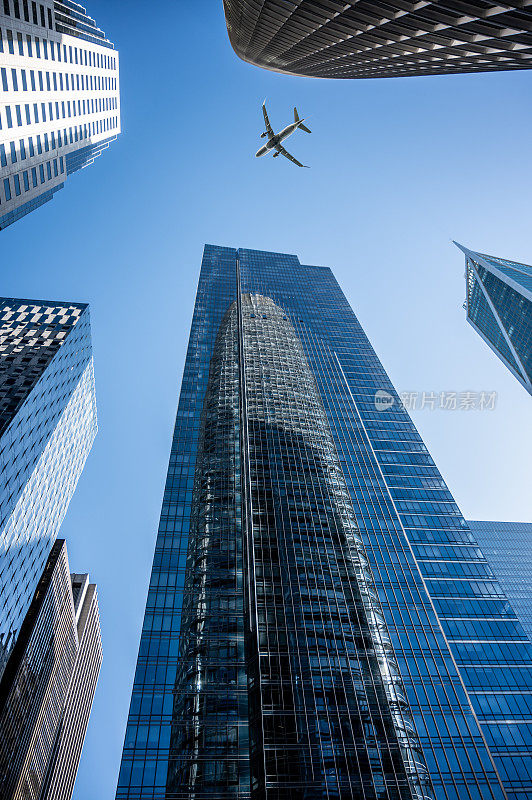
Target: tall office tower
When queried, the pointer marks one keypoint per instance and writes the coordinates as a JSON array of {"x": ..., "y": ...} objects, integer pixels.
[
  {"x": 499, "y": 307},
  {"x": 59, "y": 99},
  {"x": 47, "y": 426},
  {"x": 48, "y": 685},
  {"x": 508, "y": 548},
  {"x": 335, "y": 39},
  {"x": 320, "y": 622}
]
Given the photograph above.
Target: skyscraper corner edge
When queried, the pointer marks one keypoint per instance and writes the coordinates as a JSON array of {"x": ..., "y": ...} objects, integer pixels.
[{"x": 498, "y": 307}]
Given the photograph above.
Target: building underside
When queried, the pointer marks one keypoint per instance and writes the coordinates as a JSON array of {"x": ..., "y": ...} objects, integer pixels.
[{"x": 334, "y": 39}]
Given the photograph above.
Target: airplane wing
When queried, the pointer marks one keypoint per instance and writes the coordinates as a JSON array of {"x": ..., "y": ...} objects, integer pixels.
[
  {"x": 287, "y": 155},
  {"x": 269, "y": 129}
]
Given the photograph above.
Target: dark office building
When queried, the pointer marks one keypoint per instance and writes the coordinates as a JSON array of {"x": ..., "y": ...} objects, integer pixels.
[
  {"x": 335, "y": 39},
  {"x": 508, "y": 548},
  {"x": 320, "y": 621},
  {"x": 48, "y": 685},
  {"x": 47, "y": 427},
  {"x": 499, "y": 307}
]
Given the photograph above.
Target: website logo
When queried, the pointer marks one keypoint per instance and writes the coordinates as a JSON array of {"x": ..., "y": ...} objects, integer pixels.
[{"x": 383, "y": 400}]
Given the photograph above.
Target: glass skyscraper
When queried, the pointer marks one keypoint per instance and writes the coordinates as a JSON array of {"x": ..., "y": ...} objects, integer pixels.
[
  {"x": 338, "y": 39},
  {"x": 47, "y": 427},
  {"x": 508, "y": 548},
  {"x": 499, "y": 307},
  {"x": 320, "y": 621},
  {"x": 48, "y": 685},
  {"x": 59, "y": 99}
]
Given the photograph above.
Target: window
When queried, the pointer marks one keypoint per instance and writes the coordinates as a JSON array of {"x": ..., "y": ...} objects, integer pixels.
[
  {"x": 43, "y": 18},
  {"x": 4, "y": 79},
  {"x": 31, "y": 147},
  {"x": 7, "y": 9},
  {"x": 7, "y": 189},
  {"x": 34, "y": 13},
  {"x": 16, "y": 181},
  {"x": 25, "y": 178},
  {"x": 29, "y": 45},
  {"x": 24, "y": 81},
  {"x": 16, "y": 7},
  {"x": 3, "y": 159},
  {"x": 19, "y": 115},
  {"x": 41, "y": 173},
  {"x": 20, "y": 41},
  {"x": 14, "y": 80},
  {"x": 8, "y": 117},
  {"x": 10, "y": 46},
  {"x": 22, "y": 148},
  {"x": 34, "y": 176},
  {"x": 26, "y": 10}
]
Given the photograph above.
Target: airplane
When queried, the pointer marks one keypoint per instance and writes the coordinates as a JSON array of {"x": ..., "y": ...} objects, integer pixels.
[{"x": 275, "y": 139}]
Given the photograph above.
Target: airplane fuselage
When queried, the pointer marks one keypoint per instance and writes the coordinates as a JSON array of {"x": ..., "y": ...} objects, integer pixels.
[{"x": 277, "y": 138}]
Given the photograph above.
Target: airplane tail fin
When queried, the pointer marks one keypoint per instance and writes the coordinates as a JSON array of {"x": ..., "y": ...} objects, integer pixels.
[{"x": 301, "y": 126}]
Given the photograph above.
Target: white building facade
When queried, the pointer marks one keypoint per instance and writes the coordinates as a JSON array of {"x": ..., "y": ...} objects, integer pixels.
[{"x": 59, "y": 99}]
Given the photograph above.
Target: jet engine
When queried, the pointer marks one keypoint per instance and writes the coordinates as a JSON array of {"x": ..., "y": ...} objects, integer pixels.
[
  {"x": 263, "y": 135},
  {"x": 275, "y": 155}
]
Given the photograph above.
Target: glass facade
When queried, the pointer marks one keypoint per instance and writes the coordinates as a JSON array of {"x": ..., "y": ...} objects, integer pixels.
[
  {"x": 320, "y": 620},
  {"x": 499, "y": 308},
  {"x": 508, "y": 548},
  {"x": 48, "y": 684},
  {"x": 47, "y": 426}
]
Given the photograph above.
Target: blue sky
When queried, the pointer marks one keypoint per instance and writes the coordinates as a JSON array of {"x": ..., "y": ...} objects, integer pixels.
[{"x": 399, "y": 167}]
